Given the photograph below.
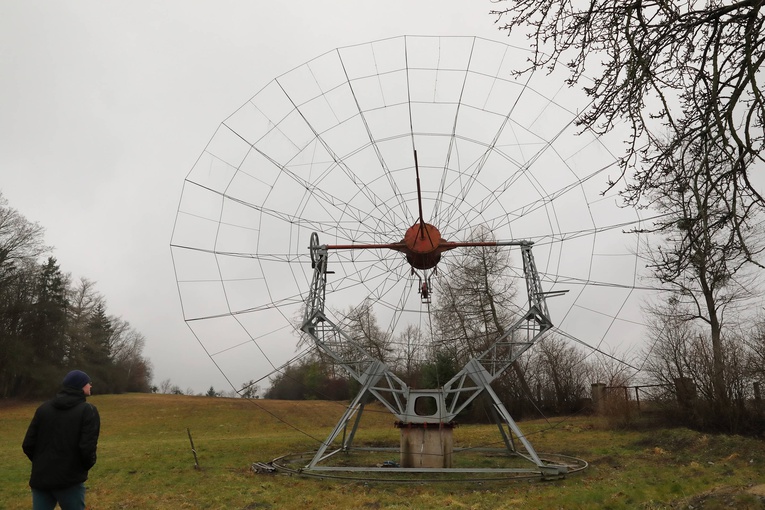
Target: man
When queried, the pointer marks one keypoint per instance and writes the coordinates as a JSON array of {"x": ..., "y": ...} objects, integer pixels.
[{"x": 61, "y": 443}]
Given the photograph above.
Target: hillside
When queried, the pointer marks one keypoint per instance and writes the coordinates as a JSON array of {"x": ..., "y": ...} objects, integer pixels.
[{"x": 145, "y": 461}]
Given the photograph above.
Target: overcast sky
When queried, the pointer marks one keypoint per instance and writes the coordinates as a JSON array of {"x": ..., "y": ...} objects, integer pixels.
[{"x": 106, "y": 105}]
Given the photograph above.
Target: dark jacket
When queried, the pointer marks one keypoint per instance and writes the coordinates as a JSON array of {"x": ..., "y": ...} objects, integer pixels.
[{"x": 61, "y": 441}]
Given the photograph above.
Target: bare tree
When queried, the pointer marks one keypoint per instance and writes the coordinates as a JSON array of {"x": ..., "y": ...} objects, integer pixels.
[
  {"x": 755, "y": 341},
  {"x": 126, "y": 348},
  {"x": 683, "y": 360},
  {"x": 611, "y": 368},
  {"x": 20, "y": 239},
  {"x": 166, "y": 386},
  {"x": 361, "y": 323},
  {"x": 668, "y": 356},
  {"x": 562, "y": 373},
  {"x": 681, "y": 74},
  {"x": 125, "y": 344},
  {"x": 410, "y": 348},
  {"x": 84, "y": 299},
  {"x": 700, "y": 256}
]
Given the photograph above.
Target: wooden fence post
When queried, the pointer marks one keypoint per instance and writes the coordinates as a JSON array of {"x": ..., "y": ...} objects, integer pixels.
[{"x": 598, "y": 396}]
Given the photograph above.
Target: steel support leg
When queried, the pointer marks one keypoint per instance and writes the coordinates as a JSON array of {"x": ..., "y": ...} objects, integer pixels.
[{"x": 371, "y": 377}]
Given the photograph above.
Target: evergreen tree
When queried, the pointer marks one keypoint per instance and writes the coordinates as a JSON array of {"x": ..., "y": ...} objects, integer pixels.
[
  {"x": 16, "y": 293},
  {"x": 46, "y": 329}
]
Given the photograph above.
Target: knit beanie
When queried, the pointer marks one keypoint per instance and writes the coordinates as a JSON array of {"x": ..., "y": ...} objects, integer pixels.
[{"x": 76, "y": 379}]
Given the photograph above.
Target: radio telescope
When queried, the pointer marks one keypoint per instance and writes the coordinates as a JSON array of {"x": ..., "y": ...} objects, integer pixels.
[{"x": 357, "y": 177}]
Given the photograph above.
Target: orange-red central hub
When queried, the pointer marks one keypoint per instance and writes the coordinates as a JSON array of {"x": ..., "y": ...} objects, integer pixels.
[
  {"x": 422, "y": 243},
  {"x": 423, "y": 246}
]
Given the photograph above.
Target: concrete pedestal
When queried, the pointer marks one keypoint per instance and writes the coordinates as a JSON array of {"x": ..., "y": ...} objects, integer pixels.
[{"x": 426, "y": 445}]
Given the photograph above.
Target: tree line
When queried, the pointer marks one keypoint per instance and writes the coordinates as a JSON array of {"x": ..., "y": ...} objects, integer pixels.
[
  {"x": 249, "y": 389},
  {"x": 50, "y": 324}
]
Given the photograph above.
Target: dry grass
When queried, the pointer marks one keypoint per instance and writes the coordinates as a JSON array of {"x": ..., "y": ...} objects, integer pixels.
[{"x": 145, "y": 461}]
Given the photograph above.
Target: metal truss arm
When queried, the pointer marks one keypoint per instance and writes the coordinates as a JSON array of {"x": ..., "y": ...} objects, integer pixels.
[{"x": 373, "y": 374}]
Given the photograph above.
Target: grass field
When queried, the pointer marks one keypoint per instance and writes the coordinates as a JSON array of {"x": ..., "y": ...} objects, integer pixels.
[{"x": 146, "y": 462}]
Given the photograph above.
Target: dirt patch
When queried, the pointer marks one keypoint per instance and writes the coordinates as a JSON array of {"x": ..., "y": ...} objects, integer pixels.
[
  {"x": 738, "y": 498},
  {"x": 258, "y": 505}
]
